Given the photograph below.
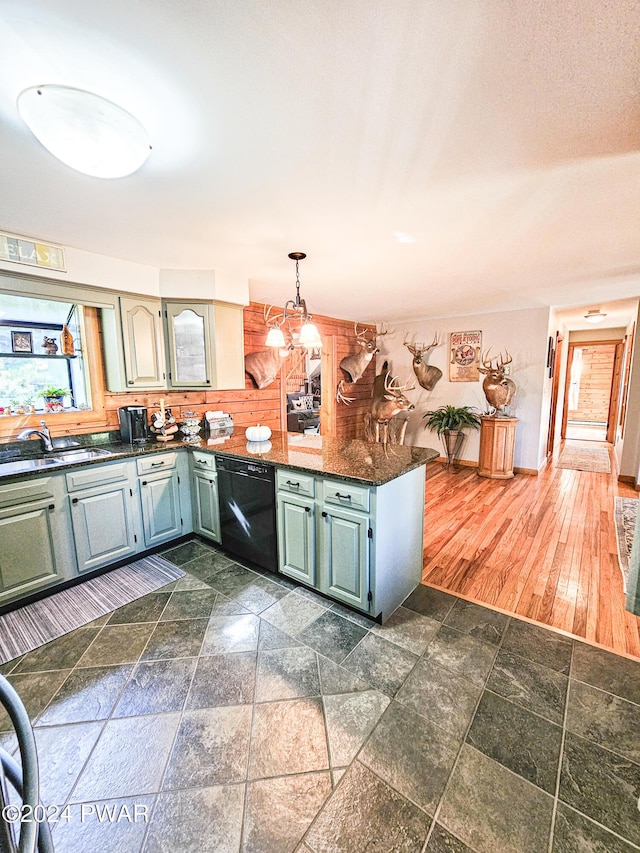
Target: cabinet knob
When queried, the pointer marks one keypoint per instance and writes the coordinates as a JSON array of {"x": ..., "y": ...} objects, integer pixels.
[
  {"x": 307, "y": 509},
  {"x": 131, "y": 382},
  {"x": 144, "y": 482},
  {"x": 51, "y": 507},
  {"x": 74, "y": 500},
  {"x": 324, "y": 514}
]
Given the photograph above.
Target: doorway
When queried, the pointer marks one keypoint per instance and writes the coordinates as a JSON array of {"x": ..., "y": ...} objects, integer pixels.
[
  {"x": 301, "y": 396},
  {"x": 592, "y": 390}
]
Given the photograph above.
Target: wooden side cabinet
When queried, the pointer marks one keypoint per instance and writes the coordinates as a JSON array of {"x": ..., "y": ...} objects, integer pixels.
[{"x": 497, "y": 443}]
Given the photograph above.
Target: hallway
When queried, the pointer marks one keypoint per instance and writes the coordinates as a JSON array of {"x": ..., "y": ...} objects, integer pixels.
[{"x": 543, "y": 548}]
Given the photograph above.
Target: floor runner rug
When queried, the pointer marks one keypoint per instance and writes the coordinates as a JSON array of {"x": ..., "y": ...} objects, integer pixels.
[
  {"x": 33, "y": 625},
  {"x": 625, "y": 512},
  {"x": 595, "y": 459}
]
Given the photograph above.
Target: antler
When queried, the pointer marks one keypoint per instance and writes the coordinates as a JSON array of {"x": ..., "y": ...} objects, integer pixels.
[
  {"x": 392, "y": 386},
  {"x": 267, "y": 316},
  {"x": 340, "y": 396},
  {"x": 413, "y": 348},
  {"x": 487, "y": 363},
  {"x": 382, "y": 331}
]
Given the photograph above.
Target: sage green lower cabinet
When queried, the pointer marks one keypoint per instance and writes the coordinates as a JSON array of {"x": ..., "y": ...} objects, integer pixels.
[
  {"x": 204, "y": 494},
  {"x": 35, "y": 533},
  {"x": 296, "y": 537},
  {"x": 103, "y": 513},
  {"x": 358, "y": 544},
  {"x": 159, "y": 484},
  {"x": 344, "y": 556}
]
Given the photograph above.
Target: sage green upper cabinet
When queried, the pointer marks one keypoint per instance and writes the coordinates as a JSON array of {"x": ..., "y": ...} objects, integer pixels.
[
  {"x": 205, "y": 345},
  {"x": 143, "y": 343},
  {"x": 189, "y": 329},
  {"x": 134, "y": 352}
]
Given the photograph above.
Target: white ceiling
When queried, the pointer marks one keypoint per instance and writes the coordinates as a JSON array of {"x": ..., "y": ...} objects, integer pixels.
[{"x": 503, "y": 136}]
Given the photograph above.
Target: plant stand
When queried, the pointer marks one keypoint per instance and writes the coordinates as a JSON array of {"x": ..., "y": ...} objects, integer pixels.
[
  {"x": 452, "y": 440},
  {"x": 497, "y": 444}
]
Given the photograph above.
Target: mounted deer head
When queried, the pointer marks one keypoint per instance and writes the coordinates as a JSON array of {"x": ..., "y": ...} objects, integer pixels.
[
  {"x": 426, "y": 374},
  {"x": 355, "y": 364},
  {"x": 498, "y": 388},
  {"x": 388, "y": 400},
  {"x": 264, "y": 366}
]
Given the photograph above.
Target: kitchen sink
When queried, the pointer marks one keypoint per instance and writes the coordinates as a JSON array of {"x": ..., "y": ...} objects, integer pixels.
[
  {"x": 63, "y": 457},
  {"x": 25, "y": 465},
  {"x": 80, "y": 454}
]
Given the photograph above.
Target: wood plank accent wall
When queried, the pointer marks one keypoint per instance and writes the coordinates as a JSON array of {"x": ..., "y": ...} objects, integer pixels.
[
  {"x": 595, "y": 383},
  {"x": 247, "y": 406}
]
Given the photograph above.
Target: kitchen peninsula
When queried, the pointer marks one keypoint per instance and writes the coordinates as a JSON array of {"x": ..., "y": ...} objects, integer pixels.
[{"x": 347, "y": 517}]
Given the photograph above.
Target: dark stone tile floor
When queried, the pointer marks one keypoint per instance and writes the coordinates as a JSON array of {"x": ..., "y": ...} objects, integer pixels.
[{"x": 241, "y": 713}]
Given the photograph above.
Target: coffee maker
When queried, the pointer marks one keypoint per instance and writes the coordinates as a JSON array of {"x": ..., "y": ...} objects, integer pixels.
[{"x": 134, "y": 427}]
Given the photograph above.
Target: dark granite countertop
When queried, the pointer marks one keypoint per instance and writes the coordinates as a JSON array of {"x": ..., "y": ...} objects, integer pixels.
[{"x": 347, "y": 459}]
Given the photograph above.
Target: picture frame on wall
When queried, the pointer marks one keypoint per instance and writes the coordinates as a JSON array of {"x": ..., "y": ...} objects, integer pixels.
[
  {"x": 550, "y": 352},
  {"x": 21, "y": 342},
  {"x": 464, "y": 349}
]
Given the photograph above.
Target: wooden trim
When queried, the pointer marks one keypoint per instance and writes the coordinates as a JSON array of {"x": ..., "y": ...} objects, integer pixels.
[
  {"x": 327, "y": 389},
  {"x": 555, "y": 390},
  {"x": 614, "y": 398},
  {"x": 468, "y": 463}
]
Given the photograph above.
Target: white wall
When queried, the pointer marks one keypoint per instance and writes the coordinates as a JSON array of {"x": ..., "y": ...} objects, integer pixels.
[
  {"x": 115, "y": 274},
  {"x": 523, "y": 333}
]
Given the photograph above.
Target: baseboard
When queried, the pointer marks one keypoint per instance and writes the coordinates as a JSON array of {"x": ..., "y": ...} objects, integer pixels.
[
  {"x": 626, "y": 478},
  {"x": 468, "y": 463}
]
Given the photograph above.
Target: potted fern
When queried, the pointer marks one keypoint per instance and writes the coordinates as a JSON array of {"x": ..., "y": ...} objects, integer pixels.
[{"x": 449, "y": 422}]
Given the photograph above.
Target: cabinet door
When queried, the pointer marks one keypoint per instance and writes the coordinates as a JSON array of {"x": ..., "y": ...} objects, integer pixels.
[
  {"x": 189, "y": 338},
  {"x": 344, "y": 565},
  {"x": 206, "y": 510},
  {"x": 160, "y": 499},
  {"x": 143, "y": 343},
  {"x": 102, "y": 526},
  {"x": 27, "y": 556},
  {"x": 296, "y": 539}
]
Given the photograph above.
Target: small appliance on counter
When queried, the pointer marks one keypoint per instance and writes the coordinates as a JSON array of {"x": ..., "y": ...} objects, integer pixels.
[
  {"x": 134, "y": 427},
  {"x": 219, "y": 426}
]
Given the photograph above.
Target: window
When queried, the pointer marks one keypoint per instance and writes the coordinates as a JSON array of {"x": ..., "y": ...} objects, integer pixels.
[{"x": 32, "y": 360}]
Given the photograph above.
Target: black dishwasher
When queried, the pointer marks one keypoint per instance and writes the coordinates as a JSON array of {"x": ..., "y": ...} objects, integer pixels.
[{"x": 248, "y": 510}]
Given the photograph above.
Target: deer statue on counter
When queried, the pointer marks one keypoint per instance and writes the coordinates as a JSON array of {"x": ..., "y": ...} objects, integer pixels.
[
  {"x": 355, "y": 364},
  {"x": 264, "y": 366},
  {"x": 497, "y": 387},
  {"x": 388, "y": 400},
  {"x": 427, "y": 374}
]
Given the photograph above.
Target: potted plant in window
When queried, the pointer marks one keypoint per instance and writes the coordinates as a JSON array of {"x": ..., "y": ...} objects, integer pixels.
[
  {"x": 53, "y": 398},
  {"x": 449, "y": 423}
]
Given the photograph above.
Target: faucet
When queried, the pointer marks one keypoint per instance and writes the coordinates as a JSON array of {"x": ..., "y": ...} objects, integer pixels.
[{"x": 44, "y": 434}]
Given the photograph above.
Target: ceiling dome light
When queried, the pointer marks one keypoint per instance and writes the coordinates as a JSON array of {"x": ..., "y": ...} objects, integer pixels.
[
  {"x": 593, "y": 315},
  {"x": 86, "y": 132}
]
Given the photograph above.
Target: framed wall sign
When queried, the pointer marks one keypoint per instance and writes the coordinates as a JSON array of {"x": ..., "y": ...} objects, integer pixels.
[
  {"x": 464, "y": 356},
  {"x": 21, "y": 342}
]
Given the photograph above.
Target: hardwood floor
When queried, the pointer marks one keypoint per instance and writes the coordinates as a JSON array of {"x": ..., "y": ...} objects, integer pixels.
[{"x": 543, "y": 548}]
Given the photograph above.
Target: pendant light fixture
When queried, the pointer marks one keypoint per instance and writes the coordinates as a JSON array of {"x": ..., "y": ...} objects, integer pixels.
[
  {"x": 594, "y": 315},
  {"x": 295, "y": 309}
]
